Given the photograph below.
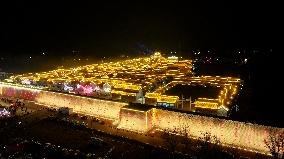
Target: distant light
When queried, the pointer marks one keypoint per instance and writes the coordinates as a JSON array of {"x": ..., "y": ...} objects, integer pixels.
[
  {"x": 157, "y": 54},
  {"x": 172, "y": 58},
  {"x": 79, "y": 59},
  {"x": 217, "y": 59},
  {"x": 26, "y": 81},
  {"x": 30, "y": 57},
  {"x": 239, "y": 52},
  {"x": 43, "y": 53}
]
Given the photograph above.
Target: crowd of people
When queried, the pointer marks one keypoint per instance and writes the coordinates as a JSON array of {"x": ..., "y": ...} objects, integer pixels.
[{"x": 12, "y": 105}]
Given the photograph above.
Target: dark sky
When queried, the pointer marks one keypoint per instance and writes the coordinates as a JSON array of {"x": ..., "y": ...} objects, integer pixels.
[{"x": 115, "y": 28}]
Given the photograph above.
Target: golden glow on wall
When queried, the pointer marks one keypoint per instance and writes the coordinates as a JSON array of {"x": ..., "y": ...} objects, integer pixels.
[
  {"x": 95, "y": 107},
  {"x": 231, "y": 133},
  {"x": 135, "y": 120}
]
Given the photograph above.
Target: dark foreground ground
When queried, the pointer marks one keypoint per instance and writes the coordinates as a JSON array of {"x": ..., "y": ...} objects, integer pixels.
[
  {"x": 41, "y": 135},
  {"x": 45, "y": 133}
]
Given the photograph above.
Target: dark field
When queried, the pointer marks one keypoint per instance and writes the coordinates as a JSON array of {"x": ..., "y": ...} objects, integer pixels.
[{"x": 194, "y": 92}]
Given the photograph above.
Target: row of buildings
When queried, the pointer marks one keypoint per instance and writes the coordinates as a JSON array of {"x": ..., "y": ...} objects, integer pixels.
[{"x": 141, "y": 80}]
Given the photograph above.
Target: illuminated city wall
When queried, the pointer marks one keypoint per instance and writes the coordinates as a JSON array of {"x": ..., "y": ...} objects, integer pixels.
[
  {"x": 20, "y": 92},
  {"x": 89, "y": 106},
  {"x": 233, "y": 133}
]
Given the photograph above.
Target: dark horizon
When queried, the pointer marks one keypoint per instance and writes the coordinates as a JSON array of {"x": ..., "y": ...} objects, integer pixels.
[{"x": 123, "y": 28}]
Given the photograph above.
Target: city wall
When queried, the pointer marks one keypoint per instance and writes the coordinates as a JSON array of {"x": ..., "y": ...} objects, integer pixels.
[
  {"x": 80, "y": 104},
  {"x": 231, "y": 133}
]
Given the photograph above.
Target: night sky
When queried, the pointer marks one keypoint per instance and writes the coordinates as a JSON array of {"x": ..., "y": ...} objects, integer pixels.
[{"x": 123, "y": 28}]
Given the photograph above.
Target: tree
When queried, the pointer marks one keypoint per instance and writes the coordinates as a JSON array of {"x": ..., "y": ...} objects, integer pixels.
[
  {"x": 207, "y": 139},
  {"x": 185, "y": 131},
  {"x": 180, "y": 134},
  {"x": 171, "y": 139},
  {"x": 275, "y": 143},
  {"x": 208, "y": 145}
]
